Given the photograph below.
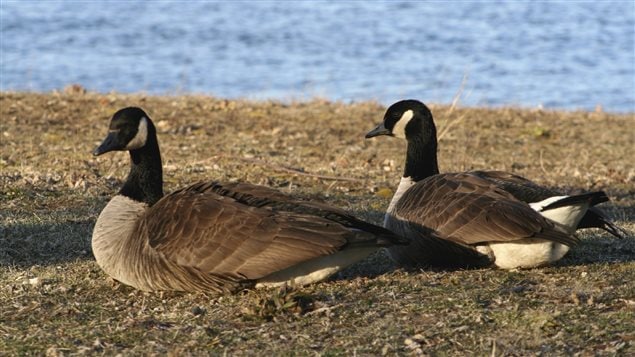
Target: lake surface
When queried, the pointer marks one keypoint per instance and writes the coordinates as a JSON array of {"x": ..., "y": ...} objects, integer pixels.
[{"x": 556, "y": 54}]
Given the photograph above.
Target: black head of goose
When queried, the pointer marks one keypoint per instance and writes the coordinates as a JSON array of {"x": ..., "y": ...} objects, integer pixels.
[
  {"x": 216, "y": 237},
  {"x": 513, "y": 221}
]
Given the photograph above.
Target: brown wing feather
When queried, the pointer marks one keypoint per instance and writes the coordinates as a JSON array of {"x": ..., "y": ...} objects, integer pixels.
[
  {"x": 520, "y": 187},
  {"x": 276, "y": 201},
  {"x": 220, "y": 236},
  {"x": 469, "y": 210},
  {"x": 266, "y": 197}
]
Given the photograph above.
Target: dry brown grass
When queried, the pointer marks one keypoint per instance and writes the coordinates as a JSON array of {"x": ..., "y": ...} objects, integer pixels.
[{"x": 54, "y": 299}]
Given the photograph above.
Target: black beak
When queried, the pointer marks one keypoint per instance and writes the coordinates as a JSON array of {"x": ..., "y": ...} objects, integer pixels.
[
  {"x": 379, "y": 130},
  {"x": 109, "y": 144}
]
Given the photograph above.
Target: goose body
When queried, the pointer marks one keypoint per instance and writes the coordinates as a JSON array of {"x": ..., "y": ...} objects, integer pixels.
[
  {"x": 476, "y": 218},
  {"x": 217, "y": 237}
]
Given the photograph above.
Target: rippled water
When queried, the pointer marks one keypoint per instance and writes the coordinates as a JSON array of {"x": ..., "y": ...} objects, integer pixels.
[{"x": 557, "y": 54}]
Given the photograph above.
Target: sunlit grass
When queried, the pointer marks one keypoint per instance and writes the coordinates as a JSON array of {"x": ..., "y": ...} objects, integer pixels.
[{"x": 54, "y": 298}]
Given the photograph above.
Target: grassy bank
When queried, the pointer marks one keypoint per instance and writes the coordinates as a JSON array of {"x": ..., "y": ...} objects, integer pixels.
[{"x": 54, "y": 298}]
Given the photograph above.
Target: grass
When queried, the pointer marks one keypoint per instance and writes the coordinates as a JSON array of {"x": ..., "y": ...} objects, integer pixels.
[{"x": 55, "y": 300}]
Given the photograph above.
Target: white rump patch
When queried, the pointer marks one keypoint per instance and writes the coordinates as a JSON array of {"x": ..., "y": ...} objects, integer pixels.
[
  {"x": 399, "y": 130},
  {"x": 540, "y": 205},
  {"x": 139, "y": 140},
  {"x": 566, "y": 217}
]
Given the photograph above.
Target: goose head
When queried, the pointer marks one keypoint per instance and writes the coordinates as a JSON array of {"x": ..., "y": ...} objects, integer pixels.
[
  {"x": 129, "y": 130},
  {"x": 132, "y": 130},
  {"x": 406, "y": 119},
  {"x": 412, "y": 120}
]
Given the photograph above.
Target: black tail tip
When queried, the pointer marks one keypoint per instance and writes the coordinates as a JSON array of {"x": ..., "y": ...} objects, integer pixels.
[
  {"x": 598, "y": 197},
  {"x": 593, "y": 198}
]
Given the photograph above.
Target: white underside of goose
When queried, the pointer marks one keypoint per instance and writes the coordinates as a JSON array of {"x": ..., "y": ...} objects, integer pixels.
[
  {"x": 316, "y": 269},
  {"x": 524, "y": 253}
]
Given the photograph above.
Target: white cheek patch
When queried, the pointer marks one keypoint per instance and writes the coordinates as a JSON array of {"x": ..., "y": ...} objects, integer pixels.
[
  {"x": 139, "y": 140},
  {"x": 399, "y": 130}
]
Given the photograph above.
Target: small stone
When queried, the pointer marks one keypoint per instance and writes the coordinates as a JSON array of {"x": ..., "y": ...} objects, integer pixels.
[
  {"x": 34, "y": 281},
  {"x": 384, "y": 192},
  {"x": 197, "y": 310},
  {"x": 51, "y": 352},
  {"x": 163, "y": 125},
  {"x": 98, "y": 345},
  {"x": 418, "y": 337}
]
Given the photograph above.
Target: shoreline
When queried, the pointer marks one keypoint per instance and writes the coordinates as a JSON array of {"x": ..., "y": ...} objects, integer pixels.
[{"x": 75, "y": 89}]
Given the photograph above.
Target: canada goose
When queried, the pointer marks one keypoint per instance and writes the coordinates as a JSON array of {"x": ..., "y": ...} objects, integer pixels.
[
  {"x": 514, "y": 222},
  {"x": 216, "y": 237}
]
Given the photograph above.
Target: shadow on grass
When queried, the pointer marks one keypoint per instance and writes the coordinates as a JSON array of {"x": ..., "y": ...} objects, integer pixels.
[
  {"x": 600, "y": 249},
  {"x": 27, "y": 244}
]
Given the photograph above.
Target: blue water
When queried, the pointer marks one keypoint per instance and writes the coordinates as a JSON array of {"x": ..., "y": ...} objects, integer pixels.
[{"x": 572, "y": 55}]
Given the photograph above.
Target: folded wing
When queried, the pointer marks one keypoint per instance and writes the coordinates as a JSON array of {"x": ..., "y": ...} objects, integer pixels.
[{"x": 470, "y": 210}]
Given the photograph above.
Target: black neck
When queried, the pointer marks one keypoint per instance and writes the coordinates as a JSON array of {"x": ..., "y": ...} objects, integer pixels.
[
  {"x": 145, "y": 180},
  {"x": 421, "y": 158}
]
